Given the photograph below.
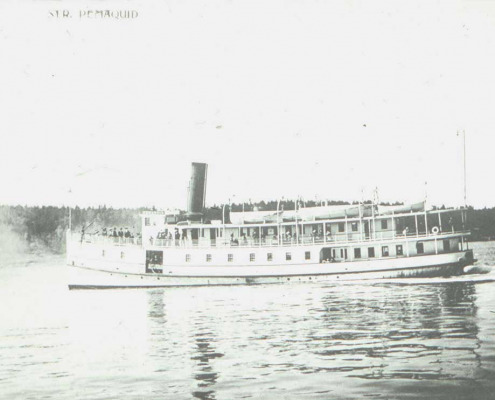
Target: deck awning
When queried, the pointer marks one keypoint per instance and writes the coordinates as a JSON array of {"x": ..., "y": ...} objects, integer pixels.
[
  {"x": 416, "y": 207},
  {"x": 303, "y": 214}
]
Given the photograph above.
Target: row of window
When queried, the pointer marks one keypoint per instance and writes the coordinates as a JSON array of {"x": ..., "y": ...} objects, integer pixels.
[
  {"x": 354, "y": 226},
  {"x": 399, "y": 250},
  {"x": 252, "y": 257}
]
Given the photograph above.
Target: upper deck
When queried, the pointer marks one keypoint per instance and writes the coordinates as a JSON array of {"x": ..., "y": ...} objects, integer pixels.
[{"x": 432, "y": 224}]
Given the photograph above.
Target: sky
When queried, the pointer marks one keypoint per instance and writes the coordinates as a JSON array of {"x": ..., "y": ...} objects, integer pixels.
[{"x": 319, "y": 99}]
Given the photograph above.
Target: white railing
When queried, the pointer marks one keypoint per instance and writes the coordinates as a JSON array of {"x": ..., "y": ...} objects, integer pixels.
[{"x": 303, "y": 240}]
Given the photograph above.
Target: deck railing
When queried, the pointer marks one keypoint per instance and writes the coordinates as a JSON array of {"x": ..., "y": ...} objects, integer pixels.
[{"x": 302, "y": 240}]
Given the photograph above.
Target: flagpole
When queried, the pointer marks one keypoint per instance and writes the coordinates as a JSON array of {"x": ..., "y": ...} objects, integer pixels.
[
  {"x": 465, "y": 185},
  {"x": 465, "y": 188},
  {"x": 70, "y": 211}
]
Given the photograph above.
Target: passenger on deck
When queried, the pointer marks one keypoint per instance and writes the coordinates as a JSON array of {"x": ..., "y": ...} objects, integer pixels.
[
  {"x": 121, "y": 233},
  {"x": 127, "y": 233},
  {"x": 114, "y": 233},
  {"x": 104, "y": 231}
]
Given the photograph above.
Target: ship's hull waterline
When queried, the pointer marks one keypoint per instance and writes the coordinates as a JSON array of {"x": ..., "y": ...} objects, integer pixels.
[{"x": 86, "y": 277}]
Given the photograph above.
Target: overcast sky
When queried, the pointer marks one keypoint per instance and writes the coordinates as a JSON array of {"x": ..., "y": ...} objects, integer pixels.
[{"x": 280, "y": 98}]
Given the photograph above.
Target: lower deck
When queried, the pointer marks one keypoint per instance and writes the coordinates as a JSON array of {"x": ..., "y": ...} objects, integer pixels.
[{"x": 156, "y": 259}]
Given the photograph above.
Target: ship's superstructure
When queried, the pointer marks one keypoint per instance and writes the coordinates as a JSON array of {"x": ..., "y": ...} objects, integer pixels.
[{"x": 362, "y": 241}]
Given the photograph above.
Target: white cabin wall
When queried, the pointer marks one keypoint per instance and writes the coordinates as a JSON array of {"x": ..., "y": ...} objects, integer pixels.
[
  {"x": 157, "y": 224},
  {"x": 383, "y": 232}
]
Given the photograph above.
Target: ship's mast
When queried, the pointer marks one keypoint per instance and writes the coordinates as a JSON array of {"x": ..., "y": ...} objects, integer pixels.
[
  {"x": 464, "y": 151},
  {"x": 70, "y": 211},
  {"x": 464, "y": 212}
]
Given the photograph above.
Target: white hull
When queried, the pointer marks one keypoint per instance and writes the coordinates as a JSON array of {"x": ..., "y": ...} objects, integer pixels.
[{"x": 113, "y": 276}]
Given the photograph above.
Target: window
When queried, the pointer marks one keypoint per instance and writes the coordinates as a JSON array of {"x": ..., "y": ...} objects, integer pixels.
[
  {"x": 399, "y": 250},
  {"x": 341, "y": 253},
  {"x": 154, "y": 257},
  {"x": 371, "y": 252},
  {"x": 384, "y": 224},
  {"x": 420, "y": 248},
  {"x": 230, "y": 257},
  {"x": 307, "y": 255},
  {"x": 122, "y": 254},
  {"x": 385, "y": 251},
  {"x": 208, "y": 258},
  {"x": 251, "y": 257},
  {"x": 103, "y": 253},
  {"x": 147, "y": 221},
  {"x": 333, "y": 253},
  {"x": 446, "y": 245},
  {"x": 269, "y": 257},
  {"x": 154, "y": 261},
  {"x": 188, "y": 257},
  {"x": 341, "y": 227},
  {"x": 357, "y": 253},
  {"x": 354, "y": 226},
  {"x": 288, "y": 256}
]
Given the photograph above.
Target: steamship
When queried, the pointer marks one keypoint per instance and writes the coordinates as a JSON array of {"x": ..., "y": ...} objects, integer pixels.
[{"x": 305, "y": 244}]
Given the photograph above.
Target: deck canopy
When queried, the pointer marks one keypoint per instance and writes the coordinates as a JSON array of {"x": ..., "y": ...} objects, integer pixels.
[
  {"x": 322, "y": 213},
  {"x": 405, "y": 208},
  {"x": 303, "y": 214}
]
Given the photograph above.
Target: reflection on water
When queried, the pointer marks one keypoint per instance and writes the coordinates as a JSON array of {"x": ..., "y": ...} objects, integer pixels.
[
  {"x": 351, "y": 340},
  {"x": 206, "y": 377},
  {"x": 313, "y": 341}
]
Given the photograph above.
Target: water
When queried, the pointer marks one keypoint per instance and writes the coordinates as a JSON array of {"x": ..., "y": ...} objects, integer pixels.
[{"x": 423, "y": 339}]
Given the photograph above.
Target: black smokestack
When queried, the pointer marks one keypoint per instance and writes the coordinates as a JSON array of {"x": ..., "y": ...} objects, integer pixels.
[{"x": 197, "y": 190}]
